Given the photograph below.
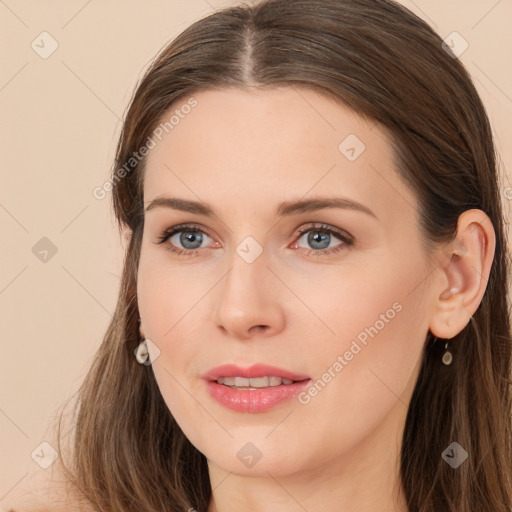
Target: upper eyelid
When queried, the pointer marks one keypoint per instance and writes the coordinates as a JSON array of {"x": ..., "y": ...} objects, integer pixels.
[
  {"x": 187, "y": 227},
  {"x": 324, "y": 227}
]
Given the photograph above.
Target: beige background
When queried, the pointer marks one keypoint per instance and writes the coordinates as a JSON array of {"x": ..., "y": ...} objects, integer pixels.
[{"x": 60, "y": 120}]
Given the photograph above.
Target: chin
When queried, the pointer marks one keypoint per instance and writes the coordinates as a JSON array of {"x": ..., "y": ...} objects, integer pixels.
[
  {"x": 275, "y": 466},
  {"x": 256, "y": 458}
]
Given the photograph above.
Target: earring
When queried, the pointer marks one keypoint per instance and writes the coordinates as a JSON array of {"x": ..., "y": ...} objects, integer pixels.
[
  {"x": 447, "y": 356},
  {"x": 142, "y": 353}
]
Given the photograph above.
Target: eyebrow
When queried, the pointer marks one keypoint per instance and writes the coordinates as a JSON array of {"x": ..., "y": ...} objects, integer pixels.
[{"x": 285, "y": 208}]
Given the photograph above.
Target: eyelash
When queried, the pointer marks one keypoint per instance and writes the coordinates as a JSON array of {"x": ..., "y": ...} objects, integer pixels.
[{"x": 347, "y": 240}]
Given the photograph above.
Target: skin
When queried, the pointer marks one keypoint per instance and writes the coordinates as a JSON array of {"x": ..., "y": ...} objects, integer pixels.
[{"x": 244, "y": 152}]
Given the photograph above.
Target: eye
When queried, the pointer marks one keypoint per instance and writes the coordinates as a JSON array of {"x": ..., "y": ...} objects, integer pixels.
[
  {"x": 321, "y": 238},
  {"x": 189, "y": 236},
  {"x": 186, "y": 239}
]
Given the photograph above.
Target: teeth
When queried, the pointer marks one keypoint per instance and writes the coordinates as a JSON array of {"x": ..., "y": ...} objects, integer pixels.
[
  {"x": 259, "y": 382},
  {"x": 241, "y": 382},
  {"x": 275, "y": 381}
]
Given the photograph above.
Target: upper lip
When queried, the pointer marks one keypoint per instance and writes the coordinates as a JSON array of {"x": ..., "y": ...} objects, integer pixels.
[{"x": 252, "y": 372}]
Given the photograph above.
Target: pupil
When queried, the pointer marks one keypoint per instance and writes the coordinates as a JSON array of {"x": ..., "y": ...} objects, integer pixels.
[
  {"x": 190, "y": 237},
  {"x": 317, "y": 236}
]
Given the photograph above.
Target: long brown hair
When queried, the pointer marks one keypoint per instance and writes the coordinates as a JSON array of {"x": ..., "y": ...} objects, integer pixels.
[{"x": 390, "y": 67}]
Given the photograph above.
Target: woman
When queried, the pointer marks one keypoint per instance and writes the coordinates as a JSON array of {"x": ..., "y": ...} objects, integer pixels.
[{"x": 313, "y": 312}]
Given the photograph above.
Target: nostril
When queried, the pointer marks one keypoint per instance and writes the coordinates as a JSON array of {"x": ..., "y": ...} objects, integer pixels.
[{"x": 259, "y": 328}]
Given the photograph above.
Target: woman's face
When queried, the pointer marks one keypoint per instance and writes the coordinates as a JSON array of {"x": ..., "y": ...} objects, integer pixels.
[{"x": 336, "y": 298}]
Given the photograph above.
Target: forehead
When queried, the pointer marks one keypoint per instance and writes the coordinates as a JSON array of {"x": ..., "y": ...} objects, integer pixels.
[{"x": 265, "y": 146}]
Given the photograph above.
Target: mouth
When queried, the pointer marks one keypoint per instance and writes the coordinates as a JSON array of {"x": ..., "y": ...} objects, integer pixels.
[
  {"x": 253, "y": 389},
  {"x": 257, "y": 375},
  {"x": 255, "y": 383}
]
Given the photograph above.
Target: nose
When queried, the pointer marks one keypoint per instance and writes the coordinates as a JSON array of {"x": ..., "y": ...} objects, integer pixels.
[{"x": 249, "y": 301}]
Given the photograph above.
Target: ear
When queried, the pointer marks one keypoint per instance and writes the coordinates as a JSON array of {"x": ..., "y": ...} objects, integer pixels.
[{"x": 465, "y": 265}]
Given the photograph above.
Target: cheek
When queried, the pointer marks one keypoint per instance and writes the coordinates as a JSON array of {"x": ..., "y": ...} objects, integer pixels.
[
  {"x": 167, "y": 291},
  {"x": 380, "y": 323},
  {"x": 347, "y": 301},
  {"x": 374, "y": 311},
  {"x": 170, "y": 305},
  {"x": 166, "y": 308}
]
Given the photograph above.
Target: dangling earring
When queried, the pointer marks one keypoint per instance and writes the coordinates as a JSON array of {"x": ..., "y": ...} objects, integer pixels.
[
  {"x": 141, "y": 352},
  {"x": 447, "y": 356}
]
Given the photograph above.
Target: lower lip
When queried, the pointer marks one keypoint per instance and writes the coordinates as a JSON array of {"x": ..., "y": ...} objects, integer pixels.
[{"x": 254, "y": 400}]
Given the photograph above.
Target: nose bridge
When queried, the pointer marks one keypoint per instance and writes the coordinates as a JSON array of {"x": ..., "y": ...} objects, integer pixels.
[
  {"x": 248, "y": 276},
  {"x": 245, "y": 300}
]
